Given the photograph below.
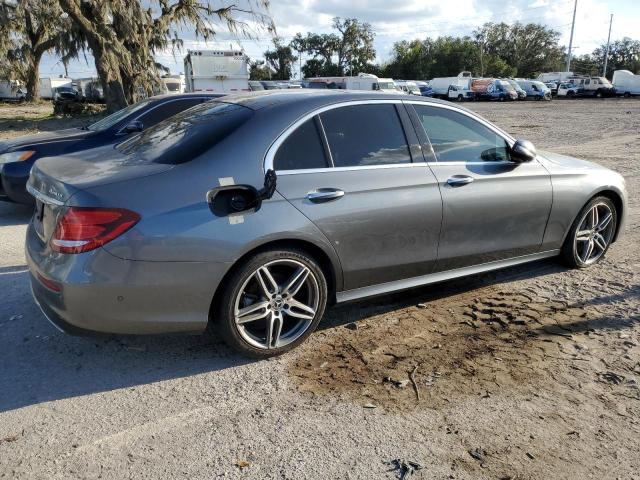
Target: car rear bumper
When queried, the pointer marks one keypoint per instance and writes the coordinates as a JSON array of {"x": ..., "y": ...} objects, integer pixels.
[{"x": 98, "y": 292}]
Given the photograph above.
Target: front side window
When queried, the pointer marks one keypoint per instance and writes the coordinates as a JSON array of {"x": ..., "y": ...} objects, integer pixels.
[
  {"x": 301, "y": 150},
  {"x": 456, "y": 137},
  {"x": 363, "y": 135}
]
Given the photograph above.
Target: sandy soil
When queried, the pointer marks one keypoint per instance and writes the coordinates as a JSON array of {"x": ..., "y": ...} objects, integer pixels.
[{"x": 528, "y": 373}]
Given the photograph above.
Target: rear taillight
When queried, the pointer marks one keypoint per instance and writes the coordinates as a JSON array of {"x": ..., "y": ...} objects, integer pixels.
[{"x": 83, "y": 229}]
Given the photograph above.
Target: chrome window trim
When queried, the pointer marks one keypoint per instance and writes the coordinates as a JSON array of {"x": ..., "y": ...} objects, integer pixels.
[
  {"x": 498, "y": 131},
  {"x": 349, "y": 169},
  {"x": 273, "y": 148}
]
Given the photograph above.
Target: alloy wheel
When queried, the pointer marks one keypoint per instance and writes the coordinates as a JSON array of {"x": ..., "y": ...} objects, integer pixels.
[
  {"x": 594, "y": 233},
  {"x": 276, "y": 304}
]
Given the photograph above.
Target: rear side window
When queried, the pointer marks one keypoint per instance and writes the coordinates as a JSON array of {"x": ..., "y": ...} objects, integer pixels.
[
  {"x": 361, "y": 135},
  {"x": 186, "y": 135},
  {"x": 165, "y": 110},
  {"x": 301, "y": 150},
  {"x": 456, "y": 137}
]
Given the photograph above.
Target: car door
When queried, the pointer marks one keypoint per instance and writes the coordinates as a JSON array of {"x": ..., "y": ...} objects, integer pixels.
[
  {"x": 493, "y": 208},
  {"x": 352, "y": 171}
]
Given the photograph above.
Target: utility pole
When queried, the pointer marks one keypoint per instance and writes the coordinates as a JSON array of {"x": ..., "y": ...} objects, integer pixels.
[
  {"x": 573, "y": 24},
  {"x": 606, "y": 55}
]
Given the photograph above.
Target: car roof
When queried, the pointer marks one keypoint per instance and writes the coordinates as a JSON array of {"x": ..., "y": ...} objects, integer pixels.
[
  {"x": 177, "y": 96},
  {"x": 314, "y": 98}
]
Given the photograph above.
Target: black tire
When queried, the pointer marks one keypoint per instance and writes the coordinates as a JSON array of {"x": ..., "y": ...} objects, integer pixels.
[
  {"x": 225, "y": 321},
  {"x": 598, "y": 94},
  {"x": 627, "y": 95},
  {"x": 569, "y": 253},
  {"x": 571, "y": 94},
  {"x": 460, "y": 98}
]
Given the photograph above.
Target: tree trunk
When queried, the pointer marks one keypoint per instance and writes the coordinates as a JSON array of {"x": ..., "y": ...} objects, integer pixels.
[
  {"x": 33, "y": 80},
  {"x": 108, "y": 70}
]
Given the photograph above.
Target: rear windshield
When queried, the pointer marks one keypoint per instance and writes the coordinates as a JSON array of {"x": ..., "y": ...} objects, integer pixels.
[{"x": 186, "y": 135}]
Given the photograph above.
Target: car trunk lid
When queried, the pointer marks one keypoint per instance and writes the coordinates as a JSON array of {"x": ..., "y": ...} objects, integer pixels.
[{"x": 55, "y": 181}]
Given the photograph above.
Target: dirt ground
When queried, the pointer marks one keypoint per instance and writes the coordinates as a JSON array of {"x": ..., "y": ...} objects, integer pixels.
[{"x": 527, "y": 373}]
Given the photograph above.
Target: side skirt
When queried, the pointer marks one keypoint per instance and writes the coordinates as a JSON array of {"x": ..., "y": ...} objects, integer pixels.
[{"x": 382, "y": 288}]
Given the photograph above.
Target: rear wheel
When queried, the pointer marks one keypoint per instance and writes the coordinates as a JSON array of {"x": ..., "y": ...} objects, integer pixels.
[
  {"x": 627, "y": 94},
  {"x": 460, "y": 98},
  {"x": 591, "y": 234},
  {"x": 272, "y": 303}
]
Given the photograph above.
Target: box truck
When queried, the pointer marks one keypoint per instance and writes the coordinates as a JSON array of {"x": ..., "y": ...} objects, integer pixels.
[
  {"x": 440, "y": 85},
  {"x": 12, "y": 90},
  {"x": 626, "y": 83},
  {"x": 48, "y": 86},
  {"x": 216, "y": 71}
]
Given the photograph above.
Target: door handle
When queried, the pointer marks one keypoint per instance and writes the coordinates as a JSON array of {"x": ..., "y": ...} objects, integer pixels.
[
  {"x": 459, "y": 180},
  {"x": 321, "y": 195}
]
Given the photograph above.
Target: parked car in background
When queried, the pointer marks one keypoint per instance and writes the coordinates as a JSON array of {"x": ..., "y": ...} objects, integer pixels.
[
  {"x": 522, "y": 95},
  {"x": 440, "y": 85},
  {"x": 553, "y": 86},
  {"x": 255, "y": 86},
  {"x": 363, "y": 81},
  {"x": 568, "y": 90},
  {"x": 253, "y": 213},
  {"x": 594, "y": 86},
  {"x": 535, "y": 89},
  {"x": 493, "y": 89},
  {"x": 18, "y": 155},
  {"x": 174, "y": 84},
  {"x": 626, "y": 83},
  {"x": 12, "y": 90},
  {"x": 66, "y": 93},
  {"x": 460, "y": 94},
  {"x": 48, "y": 86},
  {"x": 410, "y": 88}
]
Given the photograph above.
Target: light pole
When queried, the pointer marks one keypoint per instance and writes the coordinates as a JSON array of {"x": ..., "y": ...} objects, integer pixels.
[
  {"x": 573, "y": 24},
  {"x": 606, "y": 55}
]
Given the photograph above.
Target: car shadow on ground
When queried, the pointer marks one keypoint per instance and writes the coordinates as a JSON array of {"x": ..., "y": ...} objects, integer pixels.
[{"x": 362, "y": 309}]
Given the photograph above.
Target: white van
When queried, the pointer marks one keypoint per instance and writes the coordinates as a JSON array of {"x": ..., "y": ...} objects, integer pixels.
[
  {"x": 410, "y": 88},
  {"x": 174, "y": 84},
  {"x": 626, "y": 83},
  {"x": 12, "y": 90}
]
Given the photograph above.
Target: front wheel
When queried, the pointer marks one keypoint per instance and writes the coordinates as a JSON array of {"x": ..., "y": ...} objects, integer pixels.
[
  {"x": 272, "y": 303},
  {"x": 591, "y": 234}
]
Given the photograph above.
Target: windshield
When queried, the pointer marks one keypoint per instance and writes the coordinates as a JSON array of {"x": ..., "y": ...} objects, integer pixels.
[
  {"x": 173, "y": 87},
  {"x": 114, "y": 118},
  {"x": 506, "y": 85},
  {"x": 386, "y": 86},
  {"x": 186, "y": 135},
  {"x": 541, "y": 86}
]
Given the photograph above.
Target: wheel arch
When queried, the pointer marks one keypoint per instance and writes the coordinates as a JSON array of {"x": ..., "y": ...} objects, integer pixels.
[
  {"x": 618, "y": 203},
  {"x": 329, "y": 264}
]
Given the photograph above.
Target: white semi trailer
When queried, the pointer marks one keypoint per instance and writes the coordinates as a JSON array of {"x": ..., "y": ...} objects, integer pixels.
[
  {"x": 48, "y": 86},
  {"x": 626, "y": 83},
  {"x": 216, "y": 71}
]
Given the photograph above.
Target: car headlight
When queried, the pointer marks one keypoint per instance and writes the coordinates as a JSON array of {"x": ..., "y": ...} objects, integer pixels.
[{"x": 19, "y": 156}]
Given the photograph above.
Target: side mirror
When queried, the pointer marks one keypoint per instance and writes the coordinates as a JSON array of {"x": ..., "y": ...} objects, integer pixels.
[
  {"x": 523, "y": 151},
  {"x": 135, "y": 126}
]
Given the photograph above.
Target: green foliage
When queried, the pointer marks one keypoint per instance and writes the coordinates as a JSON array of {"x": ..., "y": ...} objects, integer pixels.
[
  {"x": 623, "y": 55},
  {"x": 259, "y": 70},
  {"x": 280, "y": 60},
  {"x": 498, "y": 50},
  {"x": 350, "y": 50},
  {"x": 28, "y": 30}
]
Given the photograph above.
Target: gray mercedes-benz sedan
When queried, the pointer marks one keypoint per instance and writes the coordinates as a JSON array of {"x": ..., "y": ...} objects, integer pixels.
[{"x": 252, "y": 213}]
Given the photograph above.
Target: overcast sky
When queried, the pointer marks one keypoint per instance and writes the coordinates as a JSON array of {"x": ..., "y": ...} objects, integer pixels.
[{"x": 395, "y": 20}]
